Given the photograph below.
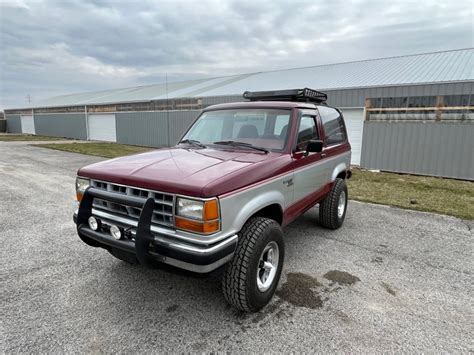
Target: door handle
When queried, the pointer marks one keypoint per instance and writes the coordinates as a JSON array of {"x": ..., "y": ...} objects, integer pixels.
[{"x": 323, "y": 155}]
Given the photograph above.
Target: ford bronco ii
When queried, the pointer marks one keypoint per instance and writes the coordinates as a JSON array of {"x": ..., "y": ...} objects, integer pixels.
[{"x": 220, "y": 197}]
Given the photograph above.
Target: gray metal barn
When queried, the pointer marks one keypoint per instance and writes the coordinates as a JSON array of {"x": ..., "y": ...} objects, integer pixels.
[{"x": 411, "y": 114}]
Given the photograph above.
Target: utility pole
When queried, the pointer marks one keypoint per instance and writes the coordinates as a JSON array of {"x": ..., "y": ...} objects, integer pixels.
[{"x": 28, "y": 98}]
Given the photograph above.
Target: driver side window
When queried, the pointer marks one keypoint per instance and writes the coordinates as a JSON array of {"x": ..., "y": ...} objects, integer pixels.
[{"x": 307, "y": 131}]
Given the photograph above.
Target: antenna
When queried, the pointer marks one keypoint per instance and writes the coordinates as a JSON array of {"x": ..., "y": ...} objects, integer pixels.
[
  {"x": 166, "y": 88},
  {"x": 167, "y": 107}
]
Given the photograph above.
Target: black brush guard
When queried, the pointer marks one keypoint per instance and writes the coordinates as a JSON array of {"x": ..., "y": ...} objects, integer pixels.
[{"x": 146, "y": 248}]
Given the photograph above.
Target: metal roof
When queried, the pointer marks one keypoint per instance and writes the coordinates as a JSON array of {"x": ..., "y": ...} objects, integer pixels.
[{"x": 447, "y": 66}]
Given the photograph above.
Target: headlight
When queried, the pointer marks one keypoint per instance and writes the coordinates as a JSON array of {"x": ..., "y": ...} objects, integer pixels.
[
  {"x": 81, "y": 186},
  {"x": 190, "y": 208},
  {"x": 197, "y": 216}
]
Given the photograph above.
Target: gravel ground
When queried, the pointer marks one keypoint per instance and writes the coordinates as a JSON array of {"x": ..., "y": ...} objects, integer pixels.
[{"x": 389, "y": 280}]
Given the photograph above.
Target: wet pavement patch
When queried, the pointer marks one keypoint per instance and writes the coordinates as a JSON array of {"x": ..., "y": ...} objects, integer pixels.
[
  {"x": 298, "y": 290},
  {"x": 341, "y": 277}
]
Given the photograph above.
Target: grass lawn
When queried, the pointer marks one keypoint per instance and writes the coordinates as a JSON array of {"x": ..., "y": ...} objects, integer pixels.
[
  {"x": 26, "y": 137},
  {"x": 107, "y": 150},
  {"x": 445, "y": 196}
]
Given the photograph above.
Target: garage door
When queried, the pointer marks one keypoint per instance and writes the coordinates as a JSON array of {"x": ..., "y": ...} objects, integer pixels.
[
  {"x": 102, "y": 128},
  {"x": 27, "y": 124},
  {"x": 354, "y": 119}
]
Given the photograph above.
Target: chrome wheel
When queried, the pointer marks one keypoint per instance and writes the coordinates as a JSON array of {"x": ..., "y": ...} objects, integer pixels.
[
  {"x": 267, "y": 266},
  {"x": 341, "y": 206}
]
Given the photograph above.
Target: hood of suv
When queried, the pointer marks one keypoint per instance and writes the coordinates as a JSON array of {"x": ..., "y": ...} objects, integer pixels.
[{"x": 195, "y": 172}]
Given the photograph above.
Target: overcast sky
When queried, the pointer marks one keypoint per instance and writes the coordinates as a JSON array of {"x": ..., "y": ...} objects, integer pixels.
[{"x": 51, "y": 48}]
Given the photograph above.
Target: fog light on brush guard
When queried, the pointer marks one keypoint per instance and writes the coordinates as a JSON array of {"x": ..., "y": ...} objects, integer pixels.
[
  {"x": 93, "y": 223},
  {"x": 115, "y": 232}
]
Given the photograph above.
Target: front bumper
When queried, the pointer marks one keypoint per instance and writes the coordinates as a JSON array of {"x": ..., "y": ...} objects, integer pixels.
[{"x": 147, "y": 245}]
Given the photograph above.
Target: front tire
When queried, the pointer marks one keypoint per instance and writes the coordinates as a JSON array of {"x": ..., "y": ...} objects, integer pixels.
[
  {"x": 332, "y": 210},
  {"x": 252, "y": 276}
]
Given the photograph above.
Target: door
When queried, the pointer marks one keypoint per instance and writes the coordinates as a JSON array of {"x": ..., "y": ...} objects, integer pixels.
[
  {"x": 309, "y": 172},
  {"x": 27, "y": 124},
  {"x": 354, "y": 119},
  {"x": 102, "y": 128}
]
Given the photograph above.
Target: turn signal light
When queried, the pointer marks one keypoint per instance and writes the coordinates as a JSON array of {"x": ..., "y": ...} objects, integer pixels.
[
  {"x": 211, "y": 210},
  {"x": 196, "y": 226},
  {"x": 79, "y": 196}
]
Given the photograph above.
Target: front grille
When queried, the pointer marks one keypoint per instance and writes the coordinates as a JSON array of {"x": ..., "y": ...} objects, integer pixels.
[{"x": 162, "y": 214}]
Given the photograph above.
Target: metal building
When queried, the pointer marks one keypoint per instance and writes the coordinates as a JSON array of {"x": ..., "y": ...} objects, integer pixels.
[{"x": 412, "y": 114}]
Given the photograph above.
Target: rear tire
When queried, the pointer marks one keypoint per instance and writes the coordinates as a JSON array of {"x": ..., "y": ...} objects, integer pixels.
[
  {"x": 252, "y": 276},
  {"x": 332, "y": 210}
]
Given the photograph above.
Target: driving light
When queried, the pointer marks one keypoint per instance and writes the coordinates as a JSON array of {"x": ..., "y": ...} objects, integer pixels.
[
  {"x": 93, "y": 223},
  {"x": 81, "y": 185},
  {"x": 115, "y": 232}
]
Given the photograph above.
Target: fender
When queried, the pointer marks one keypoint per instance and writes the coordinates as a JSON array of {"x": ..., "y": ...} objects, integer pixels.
[
  {"x": 238, "y": 208},
  {"x": 341, "y": 167}
]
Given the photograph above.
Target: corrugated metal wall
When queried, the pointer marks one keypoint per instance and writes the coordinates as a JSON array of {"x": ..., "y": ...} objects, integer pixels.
[
  {"x": 13, "y": 123},
  {"x": 70, "y": 125},
  {"x": 434, "y": 148},
  {"x": 142, "y": 128},
  {"x": 213, "y": 100},
  {"x": 356, "y": 97},
  {"x": 179, "y": 123},
  {"x": 155, "y": 129}
]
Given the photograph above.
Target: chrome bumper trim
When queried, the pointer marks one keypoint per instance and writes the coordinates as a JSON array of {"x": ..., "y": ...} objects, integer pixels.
[
  {"x": 202, "y": 269},
  {"x": 195, "y": 249},
  {"x": 175, "y": 234}
]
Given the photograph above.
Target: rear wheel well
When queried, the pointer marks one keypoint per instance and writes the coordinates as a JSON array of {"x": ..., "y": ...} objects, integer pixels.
[
  {"x": 273, "y": 211},
  {"x": 342, "y": 175}
]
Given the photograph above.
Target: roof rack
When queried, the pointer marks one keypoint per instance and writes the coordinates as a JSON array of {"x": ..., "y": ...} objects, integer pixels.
[{"x": 301, "y": 95}]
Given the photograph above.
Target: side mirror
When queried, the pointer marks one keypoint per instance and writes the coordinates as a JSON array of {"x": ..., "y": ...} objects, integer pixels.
[{"x": 314, "y": 146}]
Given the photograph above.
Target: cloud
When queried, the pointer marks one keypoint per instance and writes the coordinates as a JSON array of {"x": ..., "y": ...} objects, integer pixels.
[{"x": 59, "y": 47}]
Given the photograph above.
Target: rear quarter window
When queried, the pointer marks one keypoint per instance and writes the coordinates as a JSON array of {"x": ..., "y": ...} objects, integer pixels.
[{"x": 333, "y": 123}]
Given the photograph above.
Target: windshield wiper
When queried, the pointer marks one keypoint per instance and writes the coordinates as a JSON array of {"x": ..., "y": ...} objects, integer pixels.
[
  {"x": 193, "y": 142},
  {"x": 241, "y": 144}
]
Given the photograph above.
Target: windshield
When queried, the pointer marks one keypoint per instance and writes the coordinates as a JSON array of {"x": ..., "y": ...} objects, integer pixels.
[{"x": 263, "y": 128}]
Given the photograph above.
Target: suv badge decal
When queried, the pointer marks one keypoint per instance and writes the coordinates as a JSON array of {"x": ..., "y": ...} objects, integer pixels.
[{"x": 288, "y": 182}]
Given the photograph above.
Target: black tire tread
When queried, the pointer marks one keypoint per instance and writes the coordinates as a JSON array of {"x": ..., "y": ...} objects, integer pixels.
[
  {"x": 234, "y": 279},
  {"x": 328, "y": 207}
]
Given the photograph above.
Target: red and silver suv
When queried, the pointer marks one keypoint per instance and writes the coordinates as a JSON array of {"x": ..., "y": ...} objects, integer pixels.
[{"x": 220, "y": 197}]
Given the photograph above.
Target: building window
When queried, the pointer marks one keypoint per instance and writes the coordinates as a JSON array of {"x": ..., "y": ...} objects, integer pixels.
[{"x": 420, "y": 108}]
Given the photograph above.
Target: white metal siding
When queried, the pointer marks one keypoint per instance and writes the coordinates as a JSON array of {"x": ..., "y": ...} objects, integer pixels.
[
  {"x": 28, "y": 124},
  {"x": 354, "y": 119},
  {"x": 102, "y": 128}
]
